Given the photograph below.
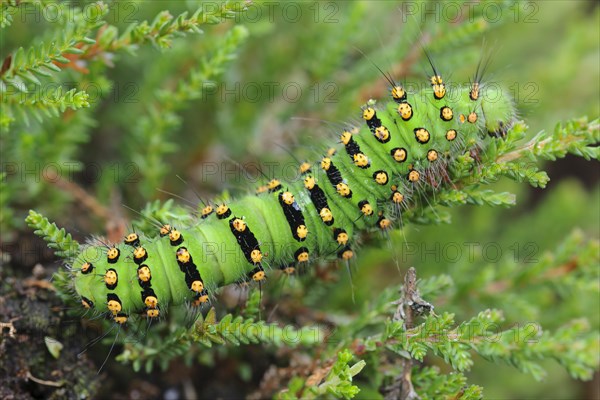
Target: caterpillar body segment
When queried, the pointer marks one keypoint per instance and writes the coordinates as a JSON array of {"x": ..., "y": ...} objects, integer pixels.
[{"x": 377, "y": 166}]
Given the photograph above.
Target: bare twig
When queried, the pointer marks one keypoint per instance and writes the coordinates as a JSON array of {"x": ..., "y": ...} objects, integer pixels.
[
  {"x": 44, "y": 382},
  {"x": 410, "y": 306},
  {"x": 11, "y": 331},
  {"x": 535, "y": 143},
  {"x": 79, "y": 194}
]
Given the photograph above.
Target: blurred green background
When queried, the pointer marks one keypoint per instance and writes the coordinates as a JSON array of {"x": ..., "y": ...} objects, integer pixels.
[{"x": 301, "y": 72}]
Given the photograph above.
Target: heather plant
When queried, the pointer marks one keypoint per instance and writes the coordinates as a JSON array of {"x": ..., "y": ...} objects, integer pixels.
[{"x": 119, "y": 115}]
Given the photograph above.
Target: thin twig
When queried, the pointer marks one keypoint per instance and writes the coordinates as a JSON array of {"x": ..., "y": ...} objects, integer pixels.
[
  {"x": 410, "y": 306},
  {"x": 43, "y": 382},
  {"x": 518, "y": 153},
  {"x": 534, "y": 143},
  {"x": 81, "y": 196}
]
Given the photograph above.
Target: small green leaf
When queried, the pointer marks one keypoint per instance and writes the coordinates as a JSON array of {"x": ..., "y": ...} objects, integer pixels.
[{"x": 53, "y": 346}]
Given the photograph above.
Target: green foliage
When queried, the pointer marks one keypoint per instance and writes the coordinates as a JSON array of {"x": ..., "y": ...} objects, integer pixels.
[
  {"x": 431, "y": 384},
  {"x": 252, "y": 308},
  {"x": 43, "y": 118},
  {"x": 531, "y": 277},
  {"x": 517, "y": 161},
  {"x": 93, "y": 89},
  {"x": 58, "y": 239},
  {"x": 164, "y": 28},
  {"x": 238, "y": 331},
  {"x": 338, "y": 382},
  {"x": 149, "y": 142},
  {"x": 7, "y": 9},
  {"x": 207, "y": 331},
  {"x": 519, "y": 346},
  {"x": 27, "y": 66},
  {"x": 573, "y": 137}
]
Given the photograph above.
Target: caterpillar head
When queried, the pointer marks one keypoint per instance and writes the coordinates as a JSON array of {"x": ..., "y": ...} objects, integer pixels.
[{"x": 498, "y": 108}]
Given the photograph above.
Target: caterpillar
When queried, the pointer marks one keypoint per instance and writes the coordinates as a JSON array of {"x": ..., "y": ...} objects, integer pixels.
[{"x": 403, "y": 148}]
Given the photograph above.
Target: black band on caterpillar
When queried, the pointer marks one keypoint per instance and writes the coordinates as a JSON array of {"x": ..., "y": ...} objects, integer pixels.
[
  {"x": 293, "y": 215},
  {"x": 386, "y": 166}
]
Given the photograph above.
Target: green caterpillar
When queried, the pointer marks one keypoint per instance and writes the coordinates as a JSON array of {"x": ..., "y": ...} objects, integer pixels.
[{"x": 404, "y": 150}]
